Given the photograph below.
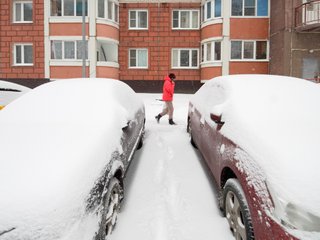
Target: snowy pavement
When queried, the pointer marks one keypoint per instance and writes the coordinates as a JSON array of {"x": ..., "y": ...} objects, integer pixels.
[{"x": 169, "y": 194}]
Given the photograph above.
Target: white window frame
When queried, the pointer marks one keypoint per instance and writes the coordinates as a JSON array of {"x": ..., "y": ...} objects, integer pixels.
[
  {"x": 74, "y": 10},
  {"x": 190, "y": 58},
  {"x": 204, "y": 58},
  {"x": 129, "y": 57},
  {"x": 22, "y": 54},
  {"x": 250, "y": 16},
  {"x": 204, "y": 9},
  {"x": 254, "y": 51},
  {"x": 22, "y": 11},
  {"x": 114, "y": 45},
  {"x": 115, "y": 11},
  {"x": 190, "y": 19},
  {"x": 137, "y": 20},
  {"x": 63, "y": 50}
]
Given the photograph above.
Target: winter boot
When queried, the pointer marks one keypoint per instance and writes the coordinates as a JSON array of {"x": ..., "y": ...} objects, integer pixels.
[
  {"x": 171, "y": 122},
  {"x": 158, "y": 117}
]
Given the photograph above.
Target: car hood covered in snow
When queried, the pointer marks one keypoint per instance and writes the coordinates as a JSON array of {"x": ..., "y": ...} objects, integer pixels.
[
  {"x": 276, "y": 120},
  {"x": 55, "y": 142}
]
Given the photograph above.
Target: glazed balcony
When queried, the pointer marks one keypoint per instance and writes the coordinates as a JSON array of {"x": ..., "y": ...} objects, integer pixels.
[{"x": 307, "y": 17}]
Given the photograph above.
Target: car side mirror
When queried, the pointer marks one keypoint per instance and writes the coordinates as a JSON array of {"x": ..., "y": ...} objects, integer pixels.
[
  {"x": 217, "y": 120},
  {"x": 124, "y": 128}
]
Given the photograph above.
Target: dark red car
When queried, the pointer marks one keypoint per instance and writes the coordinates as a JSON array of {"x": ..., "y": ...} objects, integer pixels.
[{"x": 260, "y": 137}]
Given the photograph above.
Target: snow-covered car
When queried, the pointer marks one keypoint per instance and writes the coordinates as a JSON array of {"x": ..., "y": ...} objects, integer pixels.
[
  {"x": 10, "y": 91},
  {"x": 63, "y": 161},
  {"x": 260, "y": 138}
]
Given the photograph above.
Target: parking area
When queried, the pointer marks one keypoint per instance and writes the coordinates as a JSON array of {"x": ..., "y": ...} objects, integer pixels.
[{"x": 169, "y": 193}]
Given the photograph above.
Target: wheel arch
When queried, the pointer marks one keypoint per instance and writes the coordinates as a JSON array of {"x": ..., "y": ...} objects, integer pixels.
[
  {"x": 226, "y": 174},
  {"x": 119, "y": 175}
]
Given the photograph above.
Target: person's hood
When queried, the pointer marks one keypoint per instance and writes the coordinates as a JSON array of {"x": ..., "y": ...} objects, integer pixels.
[{"x": 167, "y": 79}]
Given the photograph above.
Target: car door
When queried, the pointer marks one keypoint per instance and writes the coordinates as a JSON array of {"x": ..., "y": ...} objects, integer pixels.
[
  {"x": 210, "y": 125},
  {"x": 131, "y": 135},
  {"x": 211, "y": 146}
]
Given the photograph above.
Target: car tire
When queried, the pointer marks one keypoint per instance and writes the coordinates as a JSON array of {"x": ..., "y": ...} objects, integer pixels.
[
  {"x": 111, "y": 208},
  {"x": 236, "y": 210},
  {"x": 189, "y": 130}
]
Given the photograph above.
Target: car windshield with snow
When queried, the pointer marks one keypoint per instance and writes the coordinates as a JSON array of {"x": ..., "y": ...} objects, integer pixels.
[
  {"x": 63, "y": 160},
  {"x": 260, "y": 137},
  {"x": 10, "y": 91}
]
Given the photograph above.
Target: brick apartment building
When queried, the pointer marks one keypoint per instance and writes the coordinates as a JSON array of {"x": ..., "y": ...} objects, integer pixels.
[
  {"x": 140, "y": 41},
  {"x": 22, "y": 40}
]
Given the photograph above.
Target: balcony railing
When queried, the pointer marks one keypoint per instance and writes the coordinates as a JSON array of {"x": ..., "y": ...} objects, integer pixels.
[{"x": 307, "y": 16}]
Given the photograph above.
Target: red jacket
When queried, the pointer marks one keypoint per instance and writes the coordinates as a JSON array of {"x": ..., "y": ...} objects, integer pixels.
[{"x": 168, "y": 89}]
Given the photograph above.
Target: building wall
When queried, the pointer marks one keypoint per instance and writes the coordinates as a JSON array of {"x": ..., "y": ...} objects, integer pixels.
[
  {"x": 100, "y": 32},
  {"x": 293, "y": 53},
  {"x": 12, "y": 33},
  {"x": 249, "y": 29},
  {"x": 159, "y": 39}
]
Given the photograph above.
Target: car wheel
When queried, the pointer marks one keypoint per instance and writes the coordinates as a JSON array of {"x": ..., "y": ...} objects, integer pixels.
[
  {"x": 236, "y": 210},
  {"x": 111, "y": 207},
  {"x": 189, "y": 130}
]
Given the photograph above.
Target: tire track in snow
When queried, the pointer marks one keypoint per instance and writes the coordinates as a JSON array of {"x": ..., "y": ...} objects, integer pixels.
[{"x": 171, "y": 205}]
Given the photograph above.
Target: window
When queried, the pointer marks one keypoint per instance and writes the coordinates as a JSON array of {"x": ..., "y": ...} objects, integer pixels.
[
  {"x": 185, "y": 19},
  {"x": 68, "y": 8},
  {"x": 138, "y": 58},
  {"x": 249, "y": 50},
  {"x": 68, "y": 50},
  {"x": 250, "y": 8},
  {"x": 138, "y": 19},
  {"x": 23, "y": 54},
  {"x": 185, "y": 58},
  {"x": 22, "y": 11},
  {"x": 107, "y": 51},
  {"x": 211, "y": 51},
  {"x": 108, "y": 9},
  {"x": 211, "y": 9}
]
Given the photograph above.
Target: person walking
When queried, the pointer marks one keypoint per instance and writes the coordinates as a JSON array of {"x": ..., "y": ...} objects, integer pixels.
[{"x": 167, "y": 97}]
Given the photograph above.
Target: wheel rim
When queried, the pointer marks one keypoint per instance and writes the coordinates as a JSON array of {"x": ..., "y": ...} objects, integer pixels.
[
  {"x": 234, "y": 216},
  {"x": 112, "y": 210}
]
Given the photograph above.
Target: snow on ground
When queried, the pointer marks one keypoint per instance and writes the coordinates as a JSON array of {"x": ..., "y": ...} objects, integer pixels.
[{"x": 169, "y": 194}]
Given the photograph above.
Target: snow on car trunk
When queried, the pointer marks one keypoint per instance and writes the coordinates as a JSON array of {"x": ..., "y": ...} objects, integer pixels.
[{"x": 55, "y": 140}]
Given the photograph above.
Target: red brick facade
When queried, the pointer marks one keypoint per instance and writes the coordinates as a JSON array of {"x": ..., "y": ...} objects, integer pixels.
[
  {"x": 159, "y": 39},
  {"x": 12, "y": 33},
  {"x": 110, "y": 39}
]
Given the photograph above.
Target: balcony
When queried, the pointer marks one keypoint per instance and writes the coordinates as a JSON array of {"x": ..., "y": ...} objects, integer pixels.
[{"x": 307, "y": 17}]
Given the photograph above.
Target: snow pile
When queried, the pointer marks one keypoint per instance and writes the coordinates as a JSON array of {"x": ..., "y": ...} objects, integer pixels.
[{"x": 55, "y": 141}]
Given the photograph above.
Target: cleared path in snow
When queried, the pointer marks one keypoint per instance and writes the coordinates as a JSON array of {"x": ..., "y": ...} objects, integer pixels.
[{"x": 169, "y": 195}]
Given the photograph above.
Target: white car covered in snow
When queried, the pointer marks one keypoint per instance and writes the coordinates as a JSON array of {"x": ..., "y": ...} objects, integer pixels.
[
  {"x": 63, "y": 161},
  {"x": 10, "y": 91}
]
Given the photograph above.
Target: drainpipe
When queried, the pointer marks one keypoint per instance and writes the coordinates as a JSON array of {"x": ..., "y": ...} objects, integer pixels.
[
  {"x": 158, "y": 38},
  {"x": 83, "y": 40}
]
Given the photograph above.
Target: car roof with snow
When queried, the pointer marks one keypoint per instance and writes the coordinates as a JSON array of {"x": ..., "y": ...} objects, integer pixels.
[{"x": 275, "y": 119}]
